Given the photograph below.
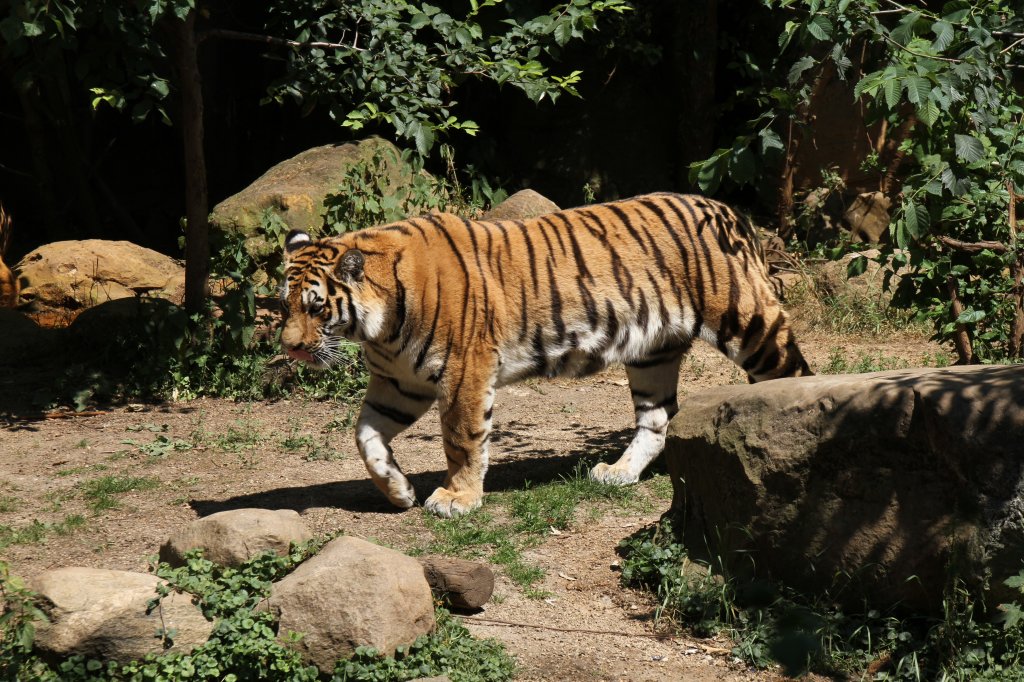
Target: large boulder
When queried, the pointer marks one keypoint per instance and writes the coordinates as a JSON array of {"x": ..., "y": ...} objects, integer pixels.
[
  {"x": 352, "y": 593},
  {"x": 867, "y": 217},
  {"x": 106, "y": 615},
  {"x": 892, "y": 482},
  {"x": 230, "y": 538},
  {"x": 522, "y": 205},
  {"x": 72, "y": 275},
  {"x": 295, "y": 190}
]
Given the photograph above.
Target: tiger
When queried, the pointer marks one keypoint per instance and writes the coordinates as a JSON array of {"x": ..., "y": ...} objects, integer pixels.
[
  {"x": 9, "y": 286},
  {"x": 449, "y": 309}
]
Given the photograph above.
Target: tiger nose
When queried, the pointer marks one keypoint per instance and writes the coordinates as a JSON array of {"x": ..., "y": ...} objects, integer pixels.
[{"x": 292, "y": 340}]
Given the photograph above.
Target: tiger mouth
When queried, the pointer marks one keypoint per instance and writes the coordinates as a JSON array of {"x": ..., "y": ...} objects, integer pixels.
[{"x": 302, "y": 355}]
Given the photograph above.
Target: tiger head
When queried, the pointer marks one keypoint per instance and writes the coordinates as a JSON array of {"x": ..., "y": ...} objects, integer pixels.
[{"x": 322, "y": 300}]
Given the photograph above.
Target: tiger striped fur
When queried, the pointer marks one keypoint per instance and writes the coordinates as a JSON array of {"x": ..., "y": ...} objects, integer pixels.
[{"x": 450, "y": 309}]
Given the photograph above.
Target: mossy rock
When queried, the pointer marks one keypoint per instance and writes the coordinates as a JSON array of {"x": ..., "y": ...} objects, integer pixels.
[{"x": 295, "y": 190}]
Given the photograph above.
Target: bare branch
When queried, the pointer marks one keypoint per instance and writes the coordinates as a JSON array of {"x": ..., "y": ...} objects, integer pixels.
[
  {"x": 972, "y": 247},
  {"x": 277, "y": 42}
]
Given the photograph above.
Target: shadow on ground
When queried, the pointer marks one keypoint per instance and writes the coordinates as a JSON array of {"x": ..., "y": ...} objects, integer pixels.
[{"x": 515, "y": 467}]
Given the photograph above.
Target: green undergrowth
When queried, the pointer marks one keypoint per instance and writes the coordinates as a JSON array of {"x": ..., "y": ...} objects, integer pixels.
[
  {"x": 244, "y": 644},
  {"x": 510, "y": 523},
  {"x": 774, "y": 625}
]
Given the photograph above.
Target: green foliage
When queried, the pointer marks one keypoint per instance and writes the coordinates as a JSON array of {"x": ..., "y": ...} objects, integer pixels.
[
  {"x": 776, "y": 625},
  {"x": 387, "y": 62},
  {"x": 18, "y": 617},
  {"x": 370, "y": 195},
  {"x": 949, "y": 74},
  {"x": 448, "y": 650}
]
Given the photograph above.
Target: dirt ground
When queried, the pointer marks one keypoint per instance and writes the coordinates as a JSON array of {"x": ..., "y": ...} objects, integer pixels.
[{"x": 300, "y": 455}]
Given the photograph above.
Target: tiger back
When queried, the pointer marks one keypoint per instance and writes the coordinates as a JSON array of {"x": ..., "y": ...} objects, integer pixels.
[{"x": 448, "y": 310}]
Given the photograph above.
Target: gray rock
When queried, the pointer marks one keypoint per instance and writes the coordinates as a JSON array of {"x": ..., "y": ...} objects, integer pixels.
[
  {"x": 353, "y": 593},
  {"x": 891, "y": 481},
  {"x": 103, "y": 614},
  {"x": 523, "y": 204},
  {"x": 232, "y": 537}
]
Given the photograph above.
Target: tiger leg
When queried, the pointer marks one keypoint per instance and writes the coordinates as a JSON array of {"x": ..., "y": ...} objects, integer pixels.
[
  {"x": 465, "y": 431},
  {"x": 653, "y": 383},
  {"x": 388, "y": 409},
  {"x": 767, "y": 348}
]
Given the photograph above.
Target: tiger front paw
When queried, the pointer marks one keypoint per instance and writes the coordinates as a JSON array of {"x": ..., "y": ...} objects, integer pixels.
[
  {"x": 612, "y": 475},
  {"x": 448, "y": 504}
]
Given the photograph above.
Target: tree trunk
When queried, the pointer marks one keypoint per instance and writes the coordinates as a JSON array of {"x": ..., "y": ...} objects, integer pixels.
[
  {"x": 695, "y": 58},
  {"x": 798, "y": 125},
  {"x": 961, "y": 339},
  {"x": 197, "y": 243},
  {"x": 1016, "y": 346}
]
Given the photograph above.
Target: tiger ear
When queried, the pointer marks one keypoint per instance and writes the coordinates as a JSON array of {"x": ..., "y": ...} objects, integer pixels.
[
  {"x": 350, "y": 267},
  {"x": 296, "y": 239}
]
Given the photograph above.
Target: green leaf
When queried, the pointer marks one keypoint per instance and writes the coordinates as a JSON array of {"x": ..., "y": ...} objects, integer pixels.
[
  {"x": 969, "y": 148},
  {"x": 742, "y": 166},
  {"x": 917, "y": 89},
  {"x": 770, "y": 140},
  {"x": 418, "y": 21},
  {"x": 928, "y": 113},
  {"x": 563, "y": 32},
  {"x": 943, "y": 31},
  {"x": 820, "y": 27},
  {"x": 799, "y": 67},
  {"x": 857, "y": 265},
  {"x": 424, "y": 137},
  {"x": 892, "y": 91},
  {"x": 31, "y": 29},
  {"x": 970, "y": 316}
]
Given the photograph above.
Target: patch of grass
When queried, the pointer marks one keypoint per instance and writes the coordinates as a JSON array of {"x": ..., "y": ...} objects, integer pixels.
[
  {"x": 37, "y": 531},
  {"x": 842, "y": 308},
  {"x": 840, "y": 363},
  {"x": 88, "y": 468},
  {"x": 535, "y": 509},
  {"x": 160, "y": 446},
  {"x": 660, "y": 486},
  {"x": 100, "y": 492},
  {"x": 8, "y": 504},
  {"x": 82, "y": 444},
  {"x": 478, "y": 535},
  {"x": 316, "y": 451},
  {"x": 531, "y": 514},
  {"x": 244, "y": 434}
]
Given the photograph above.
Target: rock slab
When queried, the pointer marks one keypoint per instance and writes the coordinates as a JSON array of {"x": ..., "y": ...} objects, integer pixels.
[
  {"x": 353, "y": 593},
  {"x": 104, "y": 614},
  {"x": 81, "y": 274},
  {"x": 889, "y": 482},
  {"x": 232, "y": 537}
]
